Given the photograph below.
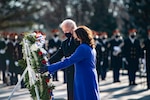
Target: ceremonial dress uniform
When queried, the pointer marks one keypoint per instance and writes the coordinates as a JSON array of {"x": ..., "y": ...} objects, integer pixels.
[
  {"x": 2, "y": 58},
  {"x": 10, "y": 58},
  {"x": 116, "y": 55},
  {"x": 132, "y": 53},
  {"x": 103, "y": 54},
  {"x": 18, "y": 56},
  {"x": 98, "y": 57},
  {"x": 116, "y": 60},
  {"x": 147, "y": 49},
  {"x": 53, "y": 46},
  {"x": 104, "y": 58}
]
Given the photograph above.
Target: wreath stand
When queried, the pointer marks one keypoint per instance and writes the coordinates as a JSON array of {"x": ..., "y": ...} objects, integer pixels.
[{"x": 31, "y": 73}]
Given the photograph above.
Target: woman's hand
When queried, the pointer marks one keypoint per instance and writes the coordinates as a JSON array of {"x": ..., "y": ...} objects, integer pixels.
[{"x": 43, "y": 69}]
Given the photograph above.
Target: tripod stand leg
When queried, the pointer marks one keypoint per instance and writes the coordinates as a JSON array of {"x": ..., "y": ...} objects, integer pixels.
[
  {"x": 33, "y": 79},
  {"x": 18, "y": 83}
]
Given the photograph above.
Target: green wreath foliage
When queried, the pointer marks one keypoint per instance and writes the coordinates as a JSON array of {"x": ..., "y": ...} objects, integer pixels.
[{"x": 37, "y": 59}]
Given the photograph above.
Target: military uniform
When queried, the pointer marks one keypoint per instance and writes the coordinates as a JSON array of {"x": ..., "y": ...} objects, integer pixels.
[
  {"x": 98, "y": 57},
  {"x": 116, "y": 54},
  {"x": 104, "y": 58},
  {"x": 53, "y": 46},
  {"x": 10, "y": 57},
  {"x": 116, "y": 59},
  {"x": 147, "y": 48},
  {"x": 132, "y": 53},
  {"x": 103, "y": 51},
  {"x": 18, "y": 56},
  {"x": 2, "y": 58},
  {"x": 67, "y": 48}
]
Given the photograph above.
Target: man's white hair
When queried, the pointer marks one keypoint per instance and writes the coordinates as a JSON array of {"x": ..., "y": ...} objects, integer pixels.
[{"x": 70, "y": 23}]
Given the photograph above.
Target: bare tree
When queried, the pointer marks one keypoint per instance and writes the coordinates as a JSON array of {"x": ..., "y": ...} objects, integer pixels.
[{"x": 18, "y": 13}]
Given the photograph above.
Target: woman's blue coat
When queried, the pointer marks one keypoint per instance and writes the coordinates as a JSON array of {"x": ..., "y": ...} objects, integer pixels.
[{"x": 85, "y": 82}]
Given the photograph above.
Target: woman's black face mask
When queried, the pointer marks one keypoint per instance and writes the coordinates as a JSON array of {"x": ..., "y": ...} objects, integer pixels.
[{"x": 68, "y": 35}]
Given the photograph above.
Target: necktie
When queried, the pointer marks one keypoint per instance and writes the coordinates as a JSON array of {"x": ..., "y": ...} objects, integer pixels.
[{"x": 69, "y": 40}]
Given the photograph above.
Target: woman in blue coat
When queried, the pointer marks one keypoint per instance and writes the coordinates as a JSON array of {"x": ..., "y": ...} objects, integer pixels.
[{"x": 84, "y": 59}]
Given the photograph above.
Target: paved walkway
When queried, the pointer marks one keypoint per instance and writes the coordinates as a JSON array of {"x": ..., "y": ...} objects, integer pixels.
[{"x": 109, "y": 90}]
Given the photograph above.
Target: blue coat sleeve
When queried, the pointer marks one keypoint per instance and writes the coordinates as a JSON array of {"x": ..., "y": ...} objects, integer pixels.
[{"x": 77, "y": 56}]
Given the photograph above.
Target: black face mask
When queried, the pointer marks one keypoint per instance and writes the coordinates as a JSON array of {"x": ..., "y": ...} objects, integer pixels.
[
  {"x": 55, "y": 35},
  {"x": 5, "y": 38},
  {"x": 133, "y": 36},
  {"x": 68, "y": 35},
  {"x": 103, "y": 38},
  {"x": 117, "y": 36},
  {"x": 13, "y": 40},
  {"x": 95, "y": 38}
]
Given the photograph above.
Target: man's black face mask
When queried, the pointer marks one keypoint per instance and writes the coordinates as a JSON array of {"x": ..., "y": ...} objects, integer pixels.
[
  {"x": 103, "y": 38},
  {"x": 68, "y": 35},
  {"x": 55, "y": 35},
  {"x": 117, "y": 36},
  {"x": 133, "y": 36}
]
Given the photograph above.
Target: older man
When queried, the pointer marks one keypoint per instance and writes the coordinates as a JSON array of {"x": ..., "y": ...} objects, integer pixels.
[{"x": 67, "y": 48}]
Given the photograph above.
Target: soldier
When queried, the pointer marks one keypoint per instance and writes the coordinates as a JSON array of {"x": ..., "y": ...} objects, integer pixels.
[
  {"x": 98, "y": 50},
  {"x": 2, "y": 56},
  {"x": 132, "y": 54},
  {"x": 104, "y": 54},
  {"x": 18, "y": 55},
  {"x": 53, "y": 45},
  {"x": 10, "y": 56},
  {"x": 147, "y": 52},
  {"x": 116, "y": 54}
]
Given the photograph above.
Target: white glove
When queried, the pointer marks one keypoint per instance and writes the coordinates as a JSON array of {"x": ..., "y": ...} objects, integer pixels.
[
  {"x": 103, "y": 49},
  {"x": 7, "y": 62},
  {"x": 2, "y": 51},
  {"x": 116, "y": 51},
  {"x": 143, "y": 61},
  {"x": 140, "y": 60},
  {"x": 52, "y": 50},
  {"x": 109, "y": 58},
  {"x": 16, "y": 63},
  {"x": 125, "y": 60},
  {"x": 117, "y": 48},
  {"x": 101, "y": 63}
]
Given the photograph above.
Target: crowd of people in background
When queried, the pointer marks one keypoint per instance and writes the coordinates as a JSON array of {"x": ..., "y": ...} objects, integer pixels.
[
  {"x": 114, "y": 53},
  {"x": 10, "y": 53},
  {"x": 118, "y": 52}
]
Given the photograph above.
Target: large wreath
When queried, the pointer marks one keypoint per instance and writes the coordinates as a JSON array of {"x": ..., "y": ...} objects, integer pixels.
[{"x": 38, "y": 58}]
